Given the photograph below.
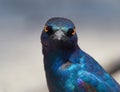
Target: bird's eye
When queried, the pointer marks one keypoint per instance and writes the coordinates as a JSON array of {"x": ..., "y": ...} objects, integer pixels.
[
  {"x": 48, "y": 29},
  {"x": 74, "y": 31},
  {"x": 71, "y": 32}
]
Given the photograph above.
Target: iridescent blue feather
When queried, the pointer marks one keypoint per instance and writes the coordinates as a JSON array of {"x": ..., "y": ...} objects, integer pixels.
[{"x": 67, "y": 67}]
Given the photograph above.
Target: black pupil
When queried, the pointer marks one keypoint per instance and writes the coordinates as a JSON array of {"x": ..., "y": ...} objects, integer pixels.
[
  {"x": 50, "y": 30},
  {"x": 70, "y": 31}
]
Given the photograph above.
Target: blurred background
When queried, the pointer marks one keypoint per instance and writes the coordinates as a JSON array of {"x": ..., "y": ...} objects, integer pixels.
[{"x": 21, "y": 22}]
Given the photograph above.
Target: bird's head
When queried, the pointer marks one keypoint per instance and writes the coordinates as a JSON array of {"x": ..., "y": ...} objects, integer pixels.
[{"x": 59, "y": 33}]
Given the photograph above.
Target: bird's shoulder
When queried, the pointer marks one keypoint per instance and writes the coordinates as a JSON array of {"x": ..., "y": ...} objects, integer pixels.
[
  {"x": 85, "y": 72},
  {"x": 84, "y": 60},
  {"x": 75, "y": 80}
]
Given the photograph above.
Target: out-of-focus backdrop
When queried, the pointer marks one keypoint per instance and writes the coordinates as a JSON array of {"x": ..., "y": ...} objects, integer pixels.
[{"x": 21, "y": 22}]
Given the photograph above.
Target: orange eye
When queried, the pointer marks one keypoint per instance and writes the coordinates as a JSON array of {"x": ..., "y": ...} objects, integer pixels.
[
  {"x": 46, "y": 28},
  {"x": 74, "y": 31},
  {"x": 71, "y": 32}
]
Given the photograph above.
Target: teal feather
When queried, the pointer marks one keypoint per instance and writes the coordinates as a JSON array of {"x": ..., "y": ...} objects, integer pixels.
[{"x": 67, "y": 67}]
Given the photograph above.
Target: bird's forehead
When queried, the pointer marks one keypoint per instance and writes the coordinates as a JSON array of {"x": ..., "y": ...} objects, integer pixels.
[{"x": 60, "y": 23}]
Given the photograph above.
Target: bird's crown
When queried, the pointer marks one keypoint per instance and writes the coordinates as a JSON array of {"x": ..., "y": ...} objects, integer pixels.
[{"x": 58, "y": 23}]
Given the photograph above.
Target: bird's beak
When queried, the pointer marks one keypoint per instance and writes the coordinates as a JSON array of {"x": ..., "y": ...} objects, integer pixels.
[{"x": 59, "y": 35}]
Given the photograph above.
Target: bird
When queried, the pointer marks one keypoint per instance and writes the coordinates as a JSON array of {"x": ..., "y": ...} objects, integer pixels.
[{"x": 67, "y": 67}]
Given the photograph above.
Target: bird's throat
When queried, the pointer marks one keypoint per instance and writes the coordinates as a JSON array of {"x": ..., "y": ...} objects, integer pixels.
[
  {"x": 52, "y": 61},
  {"x": 54, "y": 58}
]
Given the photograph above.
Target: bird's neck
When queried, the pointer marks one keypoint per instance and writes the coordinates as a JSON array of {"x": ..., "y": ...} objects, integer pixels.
[{"x": 53, "y": 58}]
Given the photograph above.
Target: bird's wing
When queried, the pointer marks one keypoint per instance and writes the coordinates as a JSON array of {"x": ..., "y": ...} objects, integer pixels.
[
  {"x": 78, "y": 80},
  {"x": 92, "y": 70},
  {"x": 91, "y": 83}
]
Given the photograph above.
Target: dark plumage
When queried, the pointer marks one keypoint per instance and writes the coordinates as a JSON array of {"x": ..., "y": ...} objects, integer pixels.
[{"x": 67, "y": 67}]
